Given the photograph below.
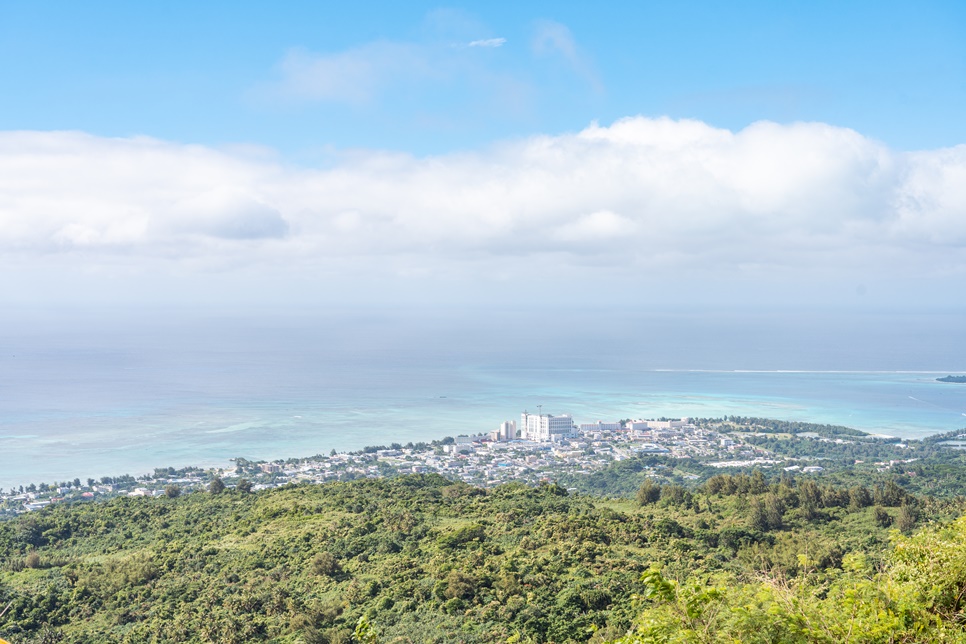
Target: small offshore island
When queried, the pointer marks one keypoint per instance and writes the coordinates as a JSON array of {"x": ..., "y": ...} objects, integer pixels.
[{"x": 959, "y": 379}]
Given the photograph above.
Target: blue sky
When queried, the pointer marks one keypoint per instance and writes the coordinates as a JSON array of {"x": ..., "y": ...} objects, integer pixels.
[
  {"x": 203, "y": 72},
  {"x": 784, "y": 152}
]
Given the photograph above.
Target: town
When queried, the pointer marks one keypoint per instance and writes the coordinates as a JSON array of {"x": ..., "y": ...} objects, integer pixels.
[{"x": 541, "y": 447}]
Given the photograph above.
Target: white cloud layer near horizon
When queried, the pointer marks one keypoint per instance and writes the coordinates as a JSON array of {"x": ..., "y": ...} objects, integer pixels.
[{"x": 643, "y": 196}]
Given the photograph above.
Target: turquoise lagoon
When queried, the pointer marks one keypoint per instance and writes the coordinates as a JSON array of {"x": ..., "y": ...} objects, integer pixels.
[{"x": 89, "y": 395}]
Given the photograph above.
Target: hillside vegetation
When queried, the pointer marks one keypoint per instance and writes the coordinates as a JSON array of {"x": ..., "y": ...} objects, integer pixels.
[{"x": 423, "y": 559}]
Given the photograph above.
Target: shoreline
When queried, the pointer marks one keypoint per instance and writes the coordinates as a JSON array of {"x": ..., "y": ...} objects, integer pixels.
[
  {"x": 485, "y": 460},
  {"x": 135, "y": 439},
  {"x": 223, "y": 461}
]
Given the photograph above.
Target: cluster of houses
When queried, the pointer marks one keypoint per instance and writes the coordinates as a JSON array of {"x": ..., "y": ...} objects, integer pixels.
[{"x": 541, "y": 447}]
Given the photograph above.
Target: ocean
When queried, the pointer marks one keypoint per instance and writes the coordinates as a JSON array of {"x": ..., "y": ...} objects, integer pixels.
[{"x": 96, "y": 393}]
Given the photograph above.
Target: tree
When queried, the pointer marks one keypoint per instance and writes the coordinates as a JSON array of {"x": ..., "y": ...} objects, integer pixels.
[
  {"x": 172, "y": 491},
  {"x": 774, "y": 511},
  {"x": 217, "y": 486},
  {"x": 757, "y": 484},
  {"x": 859, "y": 497},
  {"x": 675, "y": 495},
  {"x": 759, "y": 517},
  {"x": 649, "y": 492},
  {"x": 881, "y": 517},
  {"x": 244, "y": 486},
  {"x": 890, "y": 494},
  {"x": 32, "y": 560},
  {"x": 365, "y": 632},
  {"x": 907, "y": 517}
]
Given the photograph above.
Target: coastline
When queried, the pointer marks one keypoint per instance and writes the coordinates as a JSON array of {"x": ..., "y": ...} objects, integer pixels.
[
  {"x": 486, "y": 460},
  {"x": 98, "y": 442}
]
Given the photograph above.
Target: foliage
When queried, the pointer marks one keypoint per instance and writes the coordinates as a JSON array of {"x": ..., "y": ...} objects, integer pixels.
[
  {"x": 217, "y": 486},
  {"x": 918, "y": 596},
  {"x": 423, "y": 559}
]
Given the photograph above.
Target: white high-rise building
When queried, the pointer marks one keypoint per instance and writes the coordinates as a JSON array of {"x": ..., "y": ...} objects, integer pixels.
[
  {"x": 546, "y": 427},
  {"x": 508, "y": 430}
]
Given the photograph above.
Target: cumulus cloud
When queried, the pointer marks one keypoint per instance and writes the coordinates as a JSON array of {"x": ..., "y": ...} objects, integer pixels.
[
  {"x": 602, "y": 225},
  {"x": 225, "y": 212},
  {"x": 640, "y": 194}
]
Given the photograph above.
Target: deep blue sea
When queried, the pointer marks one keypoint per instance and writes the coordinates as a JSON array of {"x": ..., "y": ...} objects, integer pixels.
[{"x": 89, "y": 394}]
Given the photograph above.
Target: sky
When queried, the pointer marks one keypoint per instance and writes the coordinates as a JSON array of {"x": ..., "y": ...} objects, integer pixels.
[{"x": 793, "y": 154}]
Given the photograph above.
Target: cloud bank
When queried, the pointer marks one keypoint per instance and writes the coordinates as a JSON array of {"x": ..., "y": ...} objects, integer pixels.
[{"x": 641, "y": 196}]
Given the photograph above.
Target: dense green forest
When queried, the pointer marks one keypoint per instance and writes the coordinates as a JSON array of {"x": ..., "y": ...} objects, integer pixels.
[{"x": 423, "y": 559}]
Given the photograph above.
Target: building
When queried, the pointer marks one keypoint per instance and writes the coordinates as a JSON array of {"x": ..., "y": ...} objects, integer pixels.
[
  {"x": 508, "y": 430},
  {"x": 640, "y": 425},
  {"x": 601, "y": 427},
  {"x": 546, "y": 427},
  {"x": 668, "y": 424}
]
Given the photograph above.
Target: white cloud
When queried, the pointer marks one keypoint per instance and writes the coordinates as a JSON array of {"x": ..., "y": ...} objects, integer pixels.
[
  {"x": 226, "y": 212},
  {"x": 550, "y": 36},
  {"x": 602, "y": 225},
  {"x": 487, "y": 42},
  {"x": 352, "y": 76},
  {"x": 363, "y": 74},
  {"x": 553, "y": 38},
  {"x": 651, "y": 195}
]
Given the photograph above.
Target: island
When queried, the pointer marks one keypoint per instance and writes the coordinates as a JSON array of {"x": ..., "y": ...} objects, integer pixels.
[{"x": 959, "y": 379}]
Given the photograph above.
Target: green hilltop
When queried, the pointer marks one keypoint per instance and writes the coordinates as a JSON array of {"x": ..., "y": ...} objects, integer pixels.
[{"x": 422, "y": 559}]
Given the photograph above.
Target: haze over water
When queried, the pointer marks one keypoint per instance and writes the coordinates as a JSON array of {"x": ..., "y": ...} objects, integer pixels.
[{"x": 112, "y": 393}]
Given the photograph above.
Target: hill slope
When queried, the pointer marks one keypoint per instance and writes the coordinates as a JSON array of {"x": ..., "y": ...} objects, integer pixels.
[{"x": 424, "y": 559}]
